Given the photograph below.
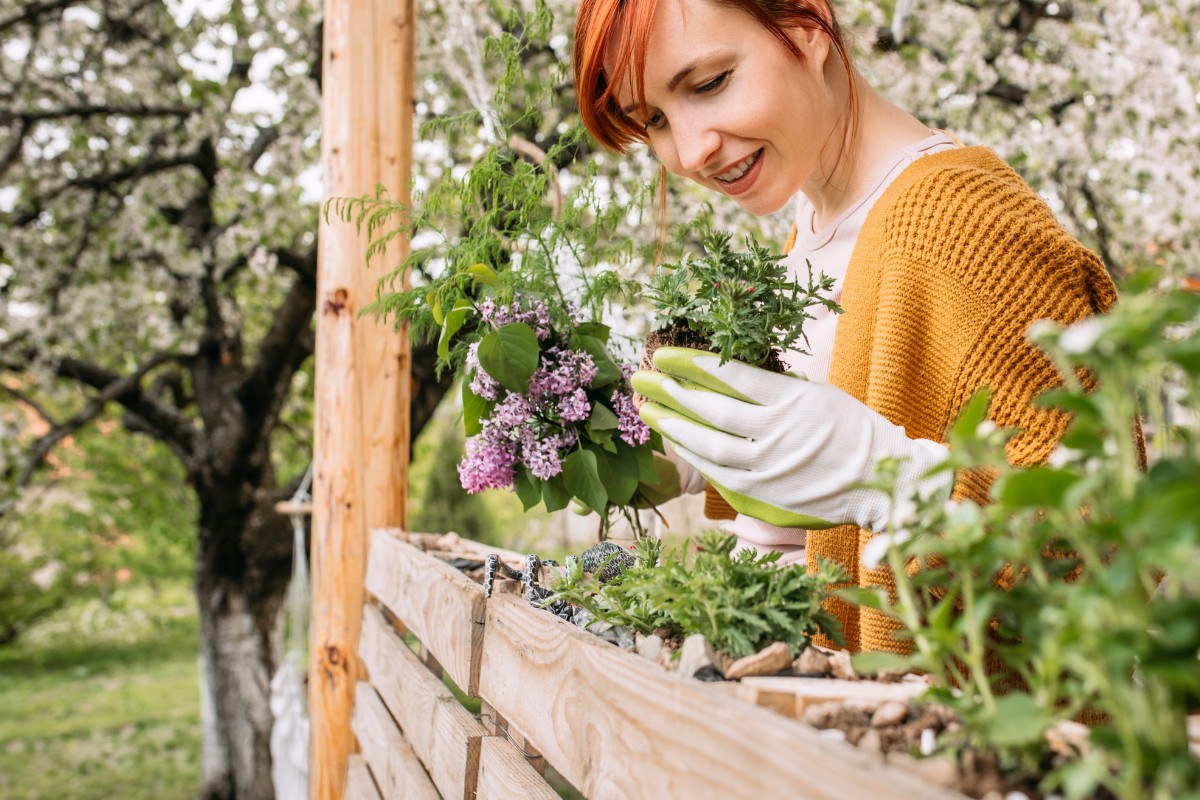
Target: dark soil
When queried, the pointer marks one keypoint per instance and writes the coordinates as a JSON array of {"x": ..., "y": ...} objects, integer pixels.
[{"x": 678, "y": 334}]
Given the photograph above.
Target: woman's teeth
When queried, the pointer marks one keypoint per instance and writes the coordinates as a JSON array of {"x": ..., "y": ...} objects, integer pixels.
[{"x": 739, "y": 169}]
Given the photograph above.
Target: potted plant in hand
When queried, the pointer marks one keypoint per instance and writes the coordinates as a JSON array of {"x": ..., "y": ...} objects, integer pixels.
[{"x": 739, "y": 304}]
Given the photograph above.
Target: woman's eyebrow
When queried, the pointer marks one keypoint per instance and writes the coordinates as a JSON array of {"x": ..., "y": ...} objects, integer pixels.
[{"x": 688, "y": 69}]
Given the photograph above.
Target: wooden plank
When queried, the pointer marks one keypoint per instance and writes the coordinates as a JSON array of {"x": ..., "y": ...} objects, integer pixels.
[
  {"x": 790, "y": 696},
  {"x": 443, "y": 734},
  {"x": 618, "y": 726},
  {"x": 441, "y": 606},
  {"x": 504, "y": 774},
  {"x": 397, "y": 770},
  {"x": 359, "y": 784},
  {"x": 361, "y": 404},
  {"x": 458, "y": 545}
]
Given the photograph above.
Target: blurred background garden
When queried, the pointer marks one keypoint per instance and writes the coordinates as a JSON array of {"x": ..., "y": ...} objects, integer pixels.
[{"x": 159, "y": 213}]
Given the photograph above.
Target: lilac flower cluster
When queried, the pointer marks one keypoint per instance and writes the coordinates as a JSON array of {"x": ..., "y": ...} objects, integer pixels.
[
  {"x": 527, "y": 429},
  {"x": 630, "y": 425},
  {"x": 522, "y": 309}
]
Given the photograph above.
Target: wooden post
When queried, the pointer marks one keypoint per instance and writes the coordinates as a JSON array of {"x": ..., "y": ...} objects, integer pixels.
[{"x": 362, "y": 371}]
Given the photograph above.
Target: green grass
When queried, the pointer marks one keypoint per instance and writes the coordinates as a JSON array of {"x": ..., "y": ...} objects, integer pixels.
[{"x": 102, "y": 703}]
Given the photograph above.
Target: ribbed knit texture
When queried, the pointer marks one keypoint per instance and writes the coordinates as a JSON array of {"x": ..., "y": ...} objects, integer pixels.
[{"x": 955, "y": 261}]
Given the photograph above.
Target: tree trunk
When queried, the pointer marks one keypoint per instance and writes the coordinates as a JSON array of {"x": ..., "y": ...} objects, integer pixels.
[{"x": 242, "y": 570}]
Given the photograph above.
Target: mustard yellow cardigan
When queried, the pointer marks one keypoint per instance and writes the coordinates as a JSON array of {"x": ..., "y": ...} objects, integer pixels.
[{"x": 954, "y": 262}]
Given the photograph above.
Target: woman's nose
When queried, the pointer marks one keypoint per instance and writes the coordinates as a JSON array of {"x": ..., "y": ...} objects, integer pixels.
[{"x": 695, "y": 145}]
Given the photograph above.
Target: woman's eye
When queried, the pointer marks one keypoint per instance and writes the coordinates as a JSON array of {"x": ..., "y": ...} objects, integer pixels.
[
  {"x": 714, "y": 84},
  {"x": 656, "y": 119}
]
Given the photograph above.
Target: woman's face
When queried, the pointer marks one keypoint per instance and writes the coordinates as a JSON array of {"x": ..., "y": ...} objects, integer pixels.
[{"x": 730, "y": 107}]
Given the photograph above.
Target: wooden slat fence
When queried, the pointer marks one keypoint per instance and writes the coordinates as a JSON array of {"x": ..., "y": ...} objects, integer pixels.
[{"x": 613, "y": 724}]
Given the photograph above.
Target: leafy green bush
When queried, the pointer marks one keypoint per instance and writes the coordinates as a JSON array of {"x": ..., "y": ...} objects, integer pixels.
[
  {"x": 1076, "y": 592},
  {"x": 743, "y": 303},
  {"x": 741, "y": 603},
  {"x": 515, "y": 289}
]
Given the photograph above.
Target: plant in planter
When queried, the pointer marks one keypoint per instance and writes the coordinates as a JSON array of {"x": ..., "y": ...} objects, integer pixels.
[
  {"x": 1074, "y": 594},
  {"x": 514, "y": 291},
  {"x": 739, "y": 304},
  {"x": 741, "y": 603}
]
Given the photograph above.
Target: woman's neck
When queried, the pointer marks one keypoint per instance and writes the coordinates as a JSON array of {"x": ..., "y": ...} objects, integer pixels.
[{"x": 882, "y": 128}]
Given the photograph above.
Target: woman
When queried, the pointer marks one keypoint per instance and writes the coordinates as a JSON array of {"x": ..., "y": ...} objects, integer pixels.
[{"x": 942, "y": 258}]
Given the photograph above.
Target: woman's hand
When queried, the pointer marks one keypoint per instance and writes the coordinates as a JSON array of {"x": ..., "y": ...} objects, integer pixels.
[{"x": 781, "y": 448}]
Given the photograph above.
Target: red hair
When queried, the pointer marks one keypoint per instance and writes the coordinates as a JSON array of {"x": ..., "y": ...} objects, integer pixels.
[{"x": 602, "y": 23}]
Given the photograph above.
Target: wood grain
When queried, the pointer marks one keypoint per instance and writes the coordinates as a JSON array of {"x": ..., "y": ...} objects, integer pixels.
[
  {"x": 437, "y": 603},
  {"x": 359, "y": 784},
  {"x": 443, "y": 734},
  {"x": 397, "y": 770},
  {"x": 361, "y": 437},
  {"x": 790, "y": 696},
  {"x": 617, "y": 726},
  {"x": 505, "y": 775}
]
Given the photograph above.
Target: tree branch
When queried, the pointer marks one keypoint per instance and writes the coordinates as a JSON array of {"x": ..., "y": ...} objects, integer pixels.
[
  {"x": 164, "y": 423},
  {"x": 33, "y": 12},
  {"x": 303, "y": 264},
  {"x": 280, "y": 353},
  {"x": 38, "y": 408},
  {"x": 104, "y": 181},
  {"x": 93, "y": 110},
  {"x": 92, "y": 409}
]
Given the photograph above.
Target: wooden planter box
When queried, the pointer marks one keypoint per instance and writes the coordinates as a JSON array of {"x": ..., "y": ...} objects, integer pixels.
[{"x": 612, "y": 723}]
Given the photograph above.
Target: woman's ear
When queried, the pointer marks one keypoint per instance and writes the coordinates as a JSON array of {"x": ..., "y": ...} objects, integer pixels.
[{"x": 812, "y": 38}]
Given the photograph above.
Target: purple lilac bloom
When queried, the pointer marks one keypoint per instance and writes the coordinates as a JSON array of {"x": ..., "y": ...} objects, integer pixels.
[
  {"x": 561, "y": 372},
  {"x": 633, "y": 430},
  {"x": 541, "y": 455},
  {"x": 488, "y": 464},
  {"x": 512, "y": 414},
  {"x": 482, "y": 384},
  {"x": 532, "y": 312},
  {"x": 574, "y": 407}
]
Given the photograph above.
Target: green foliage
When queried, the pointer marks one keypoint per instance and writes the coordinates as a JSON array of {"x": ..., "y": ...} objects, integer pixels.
[
  {"x": 744, "y": 303},
  {"x": 519, "y": 273},
  {"x": 1080, "y": 577},
  {"x": 741, "y": 603},
  {"x": 100, "y": 701},
  {"x": 84, "y": 533}
]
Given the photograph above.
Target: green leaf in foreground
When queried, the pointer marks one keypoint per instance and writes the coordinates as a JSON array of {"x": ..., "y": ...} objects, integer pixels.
[
  {"x": 510, "y": 356},
  {"x": 582, "y": 477}
]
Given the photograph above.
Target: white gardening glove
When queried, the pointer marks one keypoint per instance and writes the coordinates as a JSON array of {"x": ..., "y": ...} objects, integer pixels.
[{"x": 781, "y": 448}]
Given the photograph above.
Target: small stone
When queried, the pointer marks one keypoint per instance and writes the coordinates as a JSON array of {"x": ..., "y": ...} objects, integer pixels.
[
  {"x": 696, "y": 659},
  {"x": 774, "y": 657},
  {"x": 940, "y": 770},
  {"x": 840, "y": 666},
  {"x": 811, "y": 661},
  {"x": 892, "y": 712},
  {"x": 449, "y": 541},
  {"x": 819, "y": 715},
  {"x": 870, "y": 742},
  {"x": 650, "y": 647},
  {"x": 723, "y": 661},
  {"x": 1067, "y": 738},
  {"x": 928, "y": 741},
  {"x": 864, "y": 707},
  {"x": 832, "y": 734}
]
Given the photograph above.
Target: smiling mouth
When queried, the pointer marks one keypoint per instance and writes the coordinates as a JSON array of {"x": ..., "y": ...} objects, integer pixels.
[{"x": 739, "y": 169}]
